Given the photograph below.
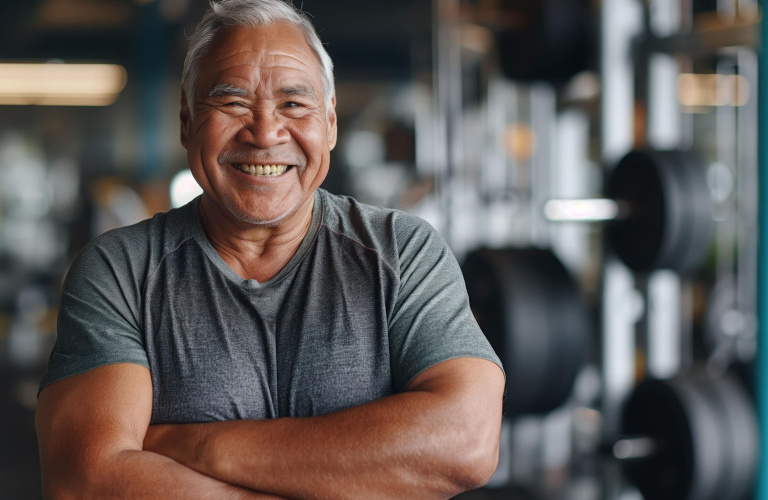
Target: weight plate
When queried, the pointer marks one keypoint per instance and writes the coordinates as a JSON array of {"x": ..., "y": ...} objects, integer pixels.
[
  {"x": 532, "y": 313},
  {"x": 670, "y": 223},
  {"x": 684, "y": 423},
  {"x": 699, "y": 220},
  {"x": 549, "y": 40},
  {"x": 738, "y": 425},
  {"x": 709, "y": 443},
  {"x": 640, "y": 181},
  {"x": 677, "y": 213}
]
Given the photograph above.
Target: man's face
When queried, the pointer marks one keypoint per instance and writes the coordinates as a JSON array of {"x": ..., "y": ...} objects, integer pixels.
[{"x": 259, "y": 102}]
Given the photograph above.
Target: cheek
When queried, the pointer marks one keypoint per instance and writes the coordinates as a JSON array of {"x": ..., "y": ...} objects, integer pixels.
[
  {"x": 313, "y": 139},
  {"x": 212, "y": 132}
]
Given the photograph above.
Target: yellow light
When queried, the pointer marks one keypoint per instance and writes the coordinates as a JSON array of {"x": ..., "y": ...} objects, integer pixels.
[
  {"x": 55, "y": 84},
  {"x": 519, "y": 141},
  {"x": 712, "y": 90}
]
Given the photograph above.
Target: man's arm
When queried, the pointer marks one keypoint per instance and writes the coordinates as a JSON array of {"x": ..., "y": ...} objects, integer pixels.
[
  {"x": 90, "y": 429},
  {"x": 436, "y": 439}
]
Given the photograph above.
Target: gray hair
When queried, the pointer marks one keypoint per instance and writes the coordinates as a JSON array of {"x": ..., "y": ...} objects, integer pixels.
[{"x": 224, "y": 14}]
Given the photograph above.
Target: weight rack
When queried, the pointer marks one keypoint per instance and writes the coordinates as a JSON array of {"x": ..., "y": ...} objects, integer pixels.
[{"x": 644, "y": 48}]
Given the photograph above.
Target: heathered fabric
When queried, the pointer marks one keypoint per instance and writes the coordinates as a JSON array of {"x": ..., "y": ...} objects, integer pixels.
[{"x": 371, "y": 298}]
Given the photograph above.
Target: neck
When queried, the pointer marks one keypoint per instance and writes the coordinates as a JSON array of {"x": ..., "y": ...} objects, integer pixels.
[{"x": 254, "y": 252}]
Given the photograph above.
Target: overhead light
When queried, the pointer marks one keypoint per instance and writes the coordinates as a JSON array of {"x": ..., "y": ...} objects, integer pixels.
[
  {"x": 712, "y": 90},
  {"x": 57, "y": 84}
]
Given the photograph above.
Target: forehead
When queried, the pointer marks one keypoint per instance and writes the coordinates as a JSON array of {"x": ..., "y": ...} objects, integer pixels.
[{"x": 244, "y": 53}]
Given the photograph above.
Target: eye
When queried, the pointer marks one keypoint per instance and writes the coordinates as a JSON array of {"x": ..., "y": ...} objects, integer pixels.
[
  {"x": 291, "y": 104},
  {"x": 234, "y": 104}
]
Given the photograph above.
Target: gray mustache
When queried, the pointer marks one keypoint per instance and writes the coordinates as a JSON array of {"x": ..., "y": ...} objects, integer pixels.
[{"x": 260, "y": 157}]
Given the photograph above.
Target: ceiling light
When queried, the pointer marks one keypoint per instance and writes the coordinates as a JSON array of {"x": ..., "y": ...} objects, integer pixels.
[{"x": 55, "y": 84}]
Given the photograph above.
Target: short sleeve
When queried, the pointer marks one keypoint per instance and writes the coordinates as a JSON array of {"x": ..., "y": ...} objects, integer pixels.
[
  {"x": 98, "y": 316},
  {"x": 431, "y": 321}
]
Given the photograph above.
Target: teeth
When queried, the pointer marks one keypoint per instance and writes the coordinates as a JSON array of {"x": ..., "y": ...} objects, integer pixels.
[{"x": 270, "y": 170}]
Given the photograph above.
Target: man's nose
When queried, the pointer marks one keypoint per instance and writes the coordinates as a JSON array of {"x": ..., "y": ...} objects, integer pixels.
[{"x": 263, "y": 129}]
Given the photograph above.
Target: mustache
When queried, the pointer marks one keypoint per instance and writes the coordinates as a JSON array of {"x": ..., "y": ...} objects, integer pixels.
[{"x": 254, "y": 156}]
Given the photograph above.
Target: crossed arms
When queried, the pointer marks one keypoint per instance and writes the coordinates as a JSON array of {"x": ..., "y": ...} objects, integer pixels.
[{"x": 434, "y": 440}]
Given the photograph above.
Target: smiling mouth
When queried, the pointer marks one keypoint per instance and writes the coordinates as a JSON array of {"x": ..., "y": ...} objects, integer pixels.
[{"x": 262, "y": 170}]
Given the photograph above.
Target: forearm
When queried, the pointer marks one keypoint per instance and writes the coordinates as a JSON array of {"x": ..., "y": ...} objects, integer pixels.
[
  {"x": 410, "y": 445},
  {"x": 138, "y": 474}
]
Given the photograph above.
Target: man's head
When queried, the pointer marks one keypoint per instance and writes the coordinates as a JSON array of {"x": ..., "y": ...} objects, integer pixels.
[
  {"x": 252, "y": 13},
  {"x": 257, "y": 92}
]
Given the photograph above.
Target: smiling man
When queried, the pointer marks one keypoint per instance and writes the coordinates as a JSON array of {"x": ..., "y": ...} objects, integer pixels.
[{"x": 269, "y": 339}]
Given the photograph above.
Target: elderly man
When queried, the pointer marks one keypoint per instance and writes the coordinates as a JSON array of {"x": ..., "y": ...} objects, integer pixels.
[{"x": 269, "y": 339}]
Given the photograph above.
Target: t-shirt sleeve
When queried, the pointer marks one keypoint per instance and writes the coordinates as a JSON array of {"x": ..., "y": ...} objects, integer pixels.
[
  {"x": 98, "y": 316},
  {"x": 431, "y": 321}
]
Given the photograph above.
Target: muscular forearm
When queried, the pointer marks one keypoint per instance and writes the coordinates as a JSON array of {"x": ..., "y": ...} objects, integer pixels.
[
  {"x": 138, "y": 474},
  {"x": 411, "y": 445}
]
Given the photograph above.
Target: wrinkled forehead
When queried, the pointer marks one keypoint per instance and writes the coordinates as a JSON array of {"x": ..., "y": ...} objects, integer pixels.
[{"x": 276, "y": 47}]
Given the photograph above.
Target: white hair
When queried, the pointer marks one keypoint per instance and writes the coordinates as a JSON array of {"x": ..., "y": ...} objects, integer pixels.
[{"x": 224, "y": 14}]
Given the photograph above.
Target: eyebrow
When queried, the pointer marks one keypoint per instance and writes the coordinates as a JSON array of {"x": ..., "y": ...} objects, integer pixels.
[
  {"x": 300, "y": 90},
  {"x": 224, "y": 89}
]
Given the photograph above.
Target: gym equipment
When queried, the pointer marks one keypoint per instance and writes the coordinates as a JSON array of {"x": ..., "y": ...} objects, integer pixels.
[
  {"x": 534, "y": 317},
  {"x": 545, "y": 40},
  {"x": 693, "y": 437},
  {"x": 659, "y": 211}
]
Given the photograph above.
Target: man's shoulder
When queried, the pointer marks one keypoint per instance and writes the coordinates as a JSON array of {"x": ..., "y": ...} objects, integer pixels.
[
  {"x": 346, "y": 215},
  {"x": 138, "y": 245}
]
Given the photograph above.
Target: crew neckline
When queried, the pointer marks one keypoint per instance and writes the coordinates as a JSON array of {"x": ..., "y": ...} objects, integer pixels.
[{"x": 229, "y": 273}]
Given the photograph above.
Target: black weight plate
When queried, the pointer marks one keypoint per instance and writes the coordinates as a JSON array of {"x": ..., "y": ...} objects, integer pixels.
[
  {"x": 677, "y": 213},
  {"x": 699, "y": 220},
  {"x": 552, "y": 40},
  {"x": 642, "y": 182},
  {"x": 519, "y": 330},
  {"x": 573, "y": 330},
  {"x": 738, "y": 424},
  {"x": 710, "y": 445},
  {"x": 671, "y": 223},
  {"x": 532, "y": 313},
  {"x": 681, "y": 419}
]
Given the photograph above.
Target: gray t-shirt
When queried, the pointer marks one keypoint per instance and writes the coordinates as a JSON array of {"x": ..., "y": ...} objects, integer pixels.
[{"x": 371, "y": 298}]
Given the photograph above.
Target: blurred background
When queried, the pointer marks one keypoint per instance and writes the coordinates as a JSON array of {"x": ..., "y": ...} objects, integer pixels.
[{"x": 594, "y": 165}]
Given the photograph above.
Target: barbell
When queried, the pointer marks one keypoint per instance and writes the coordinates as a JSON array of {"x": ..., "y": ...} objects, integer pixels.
[
  {"x": 692, "y": 437},
  {"x": 658, "y": 210}
]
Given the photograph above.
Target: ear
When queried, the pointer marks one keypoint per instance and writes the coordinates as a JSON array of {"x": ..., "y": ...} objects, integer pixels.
[
  {"x": 184, "y": 118},
  {"x": 332, "y": 124}
]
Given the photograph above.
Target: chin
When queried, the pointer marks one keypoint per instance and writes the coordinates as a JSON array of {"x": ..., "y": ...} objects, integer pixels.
[{"x": 257, "y": 217}]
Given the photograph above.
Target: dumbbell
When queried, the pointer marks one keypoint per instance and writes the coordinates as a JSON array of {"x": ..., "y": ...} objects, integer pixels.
[
  {"x": 658, "y": 210},
  {"x": 692, "y": 437},
  {"x": 532, "y": 312}
]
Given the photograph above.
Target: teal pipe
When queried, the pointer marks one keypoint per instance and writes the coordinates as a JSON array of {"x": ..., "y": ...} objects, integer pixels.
[{"x": 761, "y": 370}]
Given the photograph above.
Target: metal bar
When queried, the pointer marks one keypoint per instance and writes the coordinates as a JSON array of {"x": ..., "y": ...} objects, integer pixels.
[
  {"x": 761, "y": 369},
  {"x": 619, "y": 24},
  {"x": 584, "y": 210},
  {"x": 662, "y": 322},
  {"x": 703, "y": 42},
  {"x": 748, "y": 227}
]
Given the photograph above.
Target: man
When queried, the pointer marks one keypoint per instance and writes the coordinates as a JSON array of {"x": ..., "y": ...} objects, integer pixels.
[{"x": 268, "y": 340}]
